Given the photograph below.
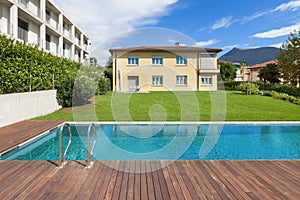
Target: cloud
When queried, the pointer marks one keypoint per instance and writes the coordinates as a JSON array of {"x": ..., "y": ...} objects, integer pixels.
[
  {"x": 278, "y": 45},
  {"x": 277, "y": 32},
  {"x": 222, "y": 23},
  {"x": 292, "y": 5},
  {"x": 102, "y": 20},
  {"x": 205, "y": 43},
  {"x": 230, "y": 46},
  {"x": 254, "y": 16}
]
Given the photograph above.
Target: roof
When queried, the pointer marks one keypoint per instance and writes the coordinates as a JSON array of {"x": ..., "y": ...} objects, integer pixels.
[
  {"x": 261, "y": 65},
  {"x": 166, "y": 48}
]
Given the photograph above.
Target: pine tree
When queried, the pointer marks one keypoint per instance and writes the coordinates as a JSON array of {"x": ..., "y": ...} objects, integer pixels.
[{"x": 289, "y": 59}]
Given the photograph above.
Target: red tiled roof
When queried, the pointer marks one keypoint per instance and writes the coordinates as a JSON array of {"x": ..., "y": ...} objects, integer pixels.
[
  {"x": 261, "y": 65},
  {"x": 166, "y": 48}
]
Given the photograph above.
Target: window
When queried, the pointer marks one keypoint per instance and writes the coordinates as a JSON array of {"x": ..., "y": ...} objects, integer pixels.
[
  {"x": 206, "y": 80},
  {"x": 157, "y": 60},
  {"x": 22, "y": 30},
  {"x": 24, "y": 2},
  {"x": 181, "y": 80},
  {"x": 133, "y": 60},
  {"x": 48, "y": 40},
  {"x": 180, "y": 60},
  {"x": 48, "y": 15},
  {"x": 157, "y": 80}
]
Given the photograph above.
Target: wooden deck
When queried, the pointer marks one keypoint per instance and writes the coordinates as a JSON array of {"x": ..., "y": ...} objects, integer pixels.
[
  {"x": 15, "y": 134},
  {"x": 180, "y": 180}
]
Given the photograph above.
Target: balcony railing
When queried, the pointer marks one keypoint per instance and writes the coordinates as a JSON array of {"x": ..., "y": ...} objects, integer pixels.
[
  {"x": 67, "y": 33},
  {"x": 24, "y": 5},
  {"x": 22, "y": 34}
]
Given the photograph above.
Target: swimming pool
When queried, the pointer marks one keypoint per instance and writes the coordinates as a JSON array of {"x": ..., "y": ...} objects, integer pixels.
[{"x": 169, "y": 142}]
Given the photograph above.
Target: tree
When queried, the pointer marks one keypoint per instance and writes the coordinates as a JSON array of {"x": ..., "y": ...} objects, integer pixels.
[
  {"x": 270, "y": 73},
  {"x": 227, "y": 71},
  {"x": 108, "y": 72},
  {"x": 289, "y": 59},
  {"x": 244, "y": 62}
]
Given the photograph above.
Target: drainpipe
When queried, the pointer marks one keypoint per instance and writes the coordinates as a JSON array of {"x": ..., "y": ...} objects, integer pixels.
[
  {"x": 115, "y": 73},
  {"x": 198, "y": 70}
]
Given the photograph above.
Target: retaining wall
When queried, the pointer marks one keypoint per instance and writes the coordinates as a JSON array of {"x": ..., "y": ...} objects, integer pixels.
[{"x": 21, "y": 106}]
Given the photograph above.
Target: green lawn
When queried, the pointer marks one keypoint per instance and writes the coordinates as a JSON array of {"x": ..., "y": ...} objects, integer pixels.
[{"x": 181, "y": 106}]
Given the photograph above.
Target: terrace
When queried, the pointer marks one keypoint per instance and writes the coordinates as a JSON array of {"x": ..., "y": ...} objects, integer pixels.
[{"x": 137, "y": 179}]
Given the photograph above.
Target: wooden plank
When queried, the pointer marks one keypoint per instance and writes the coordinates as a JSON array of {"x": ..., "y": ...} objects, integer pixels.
[
  {"x": 150, "y": 183},
  {"x": 168, "y": 180},
  {"x": 137, "y": 180},
  {"x": 143, "y": 178},
  {"x": 131, "y": 175}
]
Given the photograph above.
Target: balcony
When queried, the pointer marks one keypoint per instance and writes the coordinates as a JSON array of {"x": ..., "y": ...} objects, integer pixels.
[
  {"x": 22, "y": 34},
  {"x": 30, "y": 7}
]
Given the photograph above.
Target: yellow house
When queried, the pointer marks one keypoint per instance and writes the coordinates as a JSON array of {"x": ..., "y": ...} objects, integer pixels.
[{"x": 164, "y": 68}]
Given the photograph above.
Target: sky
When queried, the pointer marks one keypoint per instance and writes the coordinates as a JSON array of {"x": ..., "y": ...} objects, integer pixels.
[{"x": 202, "y": 23}]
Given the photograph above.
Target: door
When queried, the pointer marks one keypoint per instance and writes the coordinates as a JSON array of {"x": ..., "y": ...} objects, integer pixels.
[{"x": 133, "y": 83}]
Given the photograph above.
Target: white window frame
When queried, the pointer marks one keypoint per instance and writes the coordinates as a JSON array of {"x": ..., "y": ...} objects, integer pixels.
[
  {"x": 181, "y": 60},
  {"x": 157, "y": 60},
  {"x": 157, "y": 80},
  {"x": 133, "y": 60},
  {"x": 206, "y": 80},
  {"x": 182, "y": 80}
]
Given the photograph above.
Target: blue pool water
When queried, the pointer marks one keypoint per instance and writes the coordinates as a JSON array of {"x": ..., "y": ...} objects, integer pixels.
[{"x": 164, "y": 142}]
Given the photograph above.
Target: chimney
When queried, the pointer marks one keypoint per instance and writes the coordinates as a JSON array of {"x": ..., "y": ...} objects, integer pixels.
[{"x": 177, "y": 44}]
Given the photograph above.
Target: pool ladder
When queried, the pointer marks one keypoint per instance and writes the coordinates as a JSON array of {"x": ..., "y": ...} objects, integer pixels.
[
  {"x": 90, "y": 152},
  {"x": 90, "y": 162},
  {"x": 62, "y": 158}
]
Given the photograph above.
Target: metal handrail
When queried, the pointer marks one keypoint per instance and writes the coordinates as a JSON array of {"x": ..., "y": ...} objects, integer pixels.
[
  {"x": 89, "y": 162},
  {"x": 62, "y": 158}
]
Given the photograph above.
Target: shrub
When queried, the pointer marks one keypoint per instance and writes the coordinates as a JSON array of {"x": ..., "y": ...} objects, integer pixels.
[
  {"x": 65, "y": 92},
  {"x": 104, "y": 85},
  {"x": 286, "y": 97},
  {"x": 248, "y": 88},
  {"x": 231, "y": 85}
]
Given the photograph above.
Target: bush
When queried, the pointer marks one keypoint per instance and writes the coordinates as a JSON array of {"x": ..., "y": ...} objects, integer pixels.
[
  {"x": 104, "y": 85},
  {"x": 287, "y": 89},
  {"x": 231, "y": 85},
  {"x": 285, "y": 97},
  {"x": 248, "y": 88},
  {"x": 65, "y": 92}
]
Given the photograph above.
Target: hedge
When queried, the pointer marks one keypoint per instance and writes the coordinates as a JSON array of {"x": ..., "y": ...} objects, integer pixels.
[{"x": 25, "y": 68}]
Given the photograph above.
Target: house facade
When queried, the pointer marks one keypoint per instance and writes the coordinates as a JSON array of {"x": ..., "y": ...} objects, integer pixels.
[
  {"x": 164, "y": 68},
  {"x": 43, "y": 23},
  {"x": 251, "y": 73}
]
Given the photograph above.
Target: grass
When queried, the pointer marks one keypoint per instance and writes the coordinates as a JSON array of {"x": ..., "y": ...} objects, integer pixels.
[{"x": 180, "y": 106}]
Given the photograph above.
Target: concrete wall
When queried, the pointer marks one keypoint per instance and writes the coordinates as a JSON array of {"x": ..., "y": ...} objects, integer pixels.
[{"x": 21, "y": 106}]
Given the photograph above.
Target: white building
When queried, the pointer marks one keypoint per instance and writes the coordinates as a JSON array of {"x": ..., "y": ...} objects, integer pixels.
[{"x": 43, "y": 23}]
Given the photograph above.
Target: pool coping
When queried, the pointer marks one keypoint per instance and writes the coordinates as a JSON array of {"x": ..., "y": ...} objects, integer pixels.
[{"x": 187, "y": 122}]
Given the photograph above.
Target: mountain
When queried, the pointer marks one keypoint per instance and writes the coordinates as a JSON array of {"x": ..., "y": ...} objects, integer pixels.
[{"x": 251, "y": 56}]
